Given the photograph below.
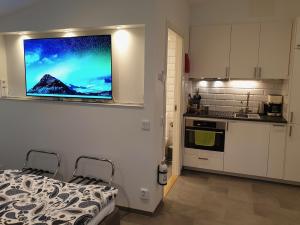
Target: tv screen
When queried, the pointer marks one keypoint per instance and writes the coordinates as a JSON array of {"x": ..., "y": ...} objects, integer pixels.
[{"x": 69, "y": 67}]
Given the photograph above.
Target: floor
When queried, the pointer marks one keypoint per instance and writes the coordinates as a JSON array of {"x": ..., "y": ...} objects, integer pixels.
[{"x": 206, "y": 199}]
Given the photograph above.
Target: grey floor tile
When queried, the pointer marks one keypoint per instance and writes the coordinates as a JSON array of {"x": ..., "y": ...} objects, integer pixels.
[{"x": 207, "y": 199}]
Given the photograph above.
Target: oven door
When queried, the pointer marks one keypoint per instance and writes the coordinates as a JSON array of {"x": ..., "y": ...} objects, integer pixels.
[{"x": 217, "y": 144}]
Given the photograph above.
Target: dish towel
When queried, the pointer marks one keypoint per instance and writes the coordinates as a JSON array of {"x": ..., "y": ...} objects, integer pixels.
[{"x": 205, "y": 138}]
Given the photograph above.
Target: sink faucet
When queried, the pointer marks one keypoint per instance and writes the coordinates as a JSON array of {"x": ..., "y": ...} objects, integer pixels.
[{"x": 247, "y": 110}]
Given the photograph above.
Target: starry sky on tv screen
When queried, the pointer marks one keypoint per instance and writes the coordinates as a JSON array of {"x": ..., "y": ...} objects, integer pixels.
[{"x": 69, "y": 67}]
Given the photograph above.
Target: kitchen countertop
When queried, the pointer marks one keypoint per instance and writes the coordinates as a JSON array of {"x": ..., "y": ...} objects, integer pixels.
[{"x": 230, "y": 116}]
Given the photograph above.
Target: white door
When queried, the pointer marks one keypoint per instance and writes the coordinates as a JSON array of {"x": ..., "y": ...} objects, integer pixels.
[
  {"x": 176, "y": 165},
  {"x": 292, "y": 161},
  {"x": 274, "y": 51},
  {"x": 246, "y": 148},
  {"x": 244, "y": 51},
  {"x": 276, "y": 151},
  {"x": 209, "y": 50},
  {"x": 295, "y": 90}
]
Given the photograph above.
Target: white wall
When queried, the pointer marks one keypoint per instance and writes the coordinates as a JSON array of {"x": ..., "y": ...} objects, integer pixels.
[
  {"x": 128, "y": 57},
  {"x": 111, "y": 131},
  {"x": 242, "y": 11},
  {"x": 2, "y": 59}
]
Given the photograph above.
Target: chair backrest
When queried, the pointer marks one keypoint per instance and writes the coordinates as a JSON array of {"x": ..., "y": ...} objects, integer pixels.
[
  {"x": 41, "y": 171},
  {"x": 89, "y": 180}
]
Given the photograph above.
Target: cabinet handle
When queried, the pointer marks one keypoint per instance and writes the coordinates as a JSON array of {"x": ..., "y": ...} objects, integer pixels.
[
  {"x": 255, "y": 72},
  {"x": 292, "y": 117},
  {"x": 291, "y": 131},
  {"x": 259, "y": 72},
  {"x": 227, "y": 126},
  {"x": 203, "y": 158},
  {"x": 227, "y": 71},
  {"x": 277, "y": 125}
]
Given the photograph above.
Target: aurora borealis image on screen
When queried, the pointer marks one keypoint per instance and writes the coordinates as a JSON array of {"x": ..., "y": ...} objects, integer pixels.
[{"x": 77, "y": 67}]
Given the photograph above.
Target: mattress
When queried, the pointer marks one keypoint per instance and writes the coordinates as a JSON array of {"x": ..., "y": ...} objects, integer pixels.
[
  {"x": 39, "y": 200},
  {"x": 103, "y": 213}
]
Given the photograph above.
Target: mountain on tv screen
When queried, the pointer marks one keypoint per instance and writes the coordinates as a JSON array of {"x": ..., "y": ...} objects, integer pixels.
[{"x": 69, "y": 67}]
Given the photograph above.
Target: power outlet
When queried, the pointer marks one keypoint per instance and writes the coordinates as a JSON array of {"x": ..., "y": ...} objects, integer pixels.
[{"x": 145, "y": 194}]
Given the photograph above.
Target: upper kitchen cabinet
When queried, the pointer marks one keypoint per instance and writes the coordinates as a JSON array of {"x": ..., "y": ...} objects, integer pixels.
[
  {"x": 241, "y": 51},
  {"x": 210, "y": 49},
  {"x": 274, "y": 51},
  {"x": 244, "y": 51},
  {"x": 296, "y": 43}
]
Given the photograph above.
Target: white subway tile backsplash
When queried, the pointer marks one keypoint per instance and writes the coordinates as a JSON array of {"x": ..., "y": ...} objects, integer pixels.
[
  {"x": 208, "y": 96},
  {"x": 211, "y": 102},
  {"x": 225, "y": 108},
  {"x": 256, "y": 92},
  {"x": 224, "y": 97},
  {"x": 217, "y": 90},
  {"x": 232, "y": 95}
]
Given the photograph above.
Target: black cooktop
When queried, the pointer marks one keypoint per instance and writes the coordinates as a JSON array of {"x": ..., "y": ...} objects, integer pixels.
[
  {"x": 230, "y": 116},
  {"x": 215, "y": 114}
]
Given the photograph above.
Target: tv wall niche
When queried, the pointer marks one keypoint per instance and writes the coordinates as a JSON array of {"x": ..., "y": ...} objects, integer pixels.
[
  {"x": 118, "y": 75},
  {"x": 69, "y": 67}
]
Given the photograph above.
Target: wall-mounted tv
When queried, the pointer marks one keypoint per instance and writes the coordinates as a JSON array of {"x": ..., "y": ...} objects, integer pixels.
[{"x": 69, "y": 67}]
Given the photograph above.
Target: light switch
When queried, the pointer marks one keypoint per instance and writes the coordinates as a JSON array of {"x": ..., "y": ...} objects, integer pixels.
[{"x": 146, "y": 125}]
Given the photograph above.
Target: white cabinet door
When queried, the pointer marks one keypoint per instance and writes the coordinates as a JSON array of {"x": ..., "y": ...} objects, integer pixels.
[
  {"x": 244, "y": 50},
  {"x": 295, "y": 90},
  {"x": 276, "y": 151},
  {"x": 203, "y": 159},
  {"x": 209, "y": 49},
  {"x": 292, "y": 161},
  {"x": 246, "y": 148},
  {"x": 297, "y": 34},
  {"x": 274, "y": 51}
]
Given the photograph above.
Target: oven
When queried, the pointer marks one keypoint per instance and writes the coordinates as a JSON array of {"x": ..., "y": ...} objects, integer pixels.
[{"x": 205, "y": 135}]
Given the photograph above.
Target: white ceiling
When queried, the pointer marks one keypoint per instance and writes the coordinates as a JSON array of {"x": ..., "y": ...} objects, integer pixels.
[{"x": 10, "y": 6}]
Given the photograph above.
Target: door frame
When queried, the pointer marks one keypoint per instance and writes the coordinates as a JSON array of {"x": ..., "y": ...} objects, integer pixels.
[{"x": 179, "y": 84}]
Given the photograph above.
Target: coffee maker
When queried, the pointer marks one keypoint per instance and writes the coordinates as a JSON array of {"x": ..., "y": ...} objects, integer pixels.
[{"x": 274, "y": 105}]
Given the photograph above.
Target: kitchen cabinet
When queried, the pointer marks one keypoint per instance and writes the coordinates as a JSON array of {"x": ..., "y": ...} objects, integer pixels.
[
  {"x": 203, "y": 159},
  {"x": 292, "y": 161},
  {"x": 241, "y": 51},
  {"x": 209, "y": 50},
  {"x": 276, "y": 151},
  {"x": 244, "y": 51},
  {"x": 274, "y": 50},
  {"x": 297, "y": 34},
  {"x": 295, "y": 90},
  {"x": 246, "y": 148}
]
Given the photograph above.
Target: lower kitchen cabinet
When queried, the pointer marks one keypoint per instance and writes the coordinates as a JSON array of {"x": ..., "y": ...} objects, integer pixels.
[
  {"x": 292, "y": 162},
  {"x": 203, "y": 159},
  {"x": 276, "y": 151},
  {"x": 246, "y": 148}
]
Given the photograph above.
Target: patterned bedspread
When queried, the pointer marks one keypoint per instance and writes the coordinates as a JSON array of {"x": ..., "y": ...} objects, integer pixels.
[{"x": 39, "y": 200}]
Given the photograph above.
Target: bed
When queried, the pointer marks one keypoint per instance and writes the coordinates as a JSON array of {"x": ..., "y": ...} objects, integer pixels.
[{"x": 35, "y": 199}]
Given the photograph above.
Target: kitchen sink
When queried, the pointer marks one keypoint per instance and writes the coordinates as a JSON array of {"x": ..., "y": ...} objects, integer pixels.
[{"x": 252, "y": 116}]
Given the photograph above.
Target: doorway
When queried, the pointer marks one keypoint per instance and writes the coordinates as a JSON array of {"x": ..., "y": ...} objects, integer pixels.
[{"x": 173, "y": 87}]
